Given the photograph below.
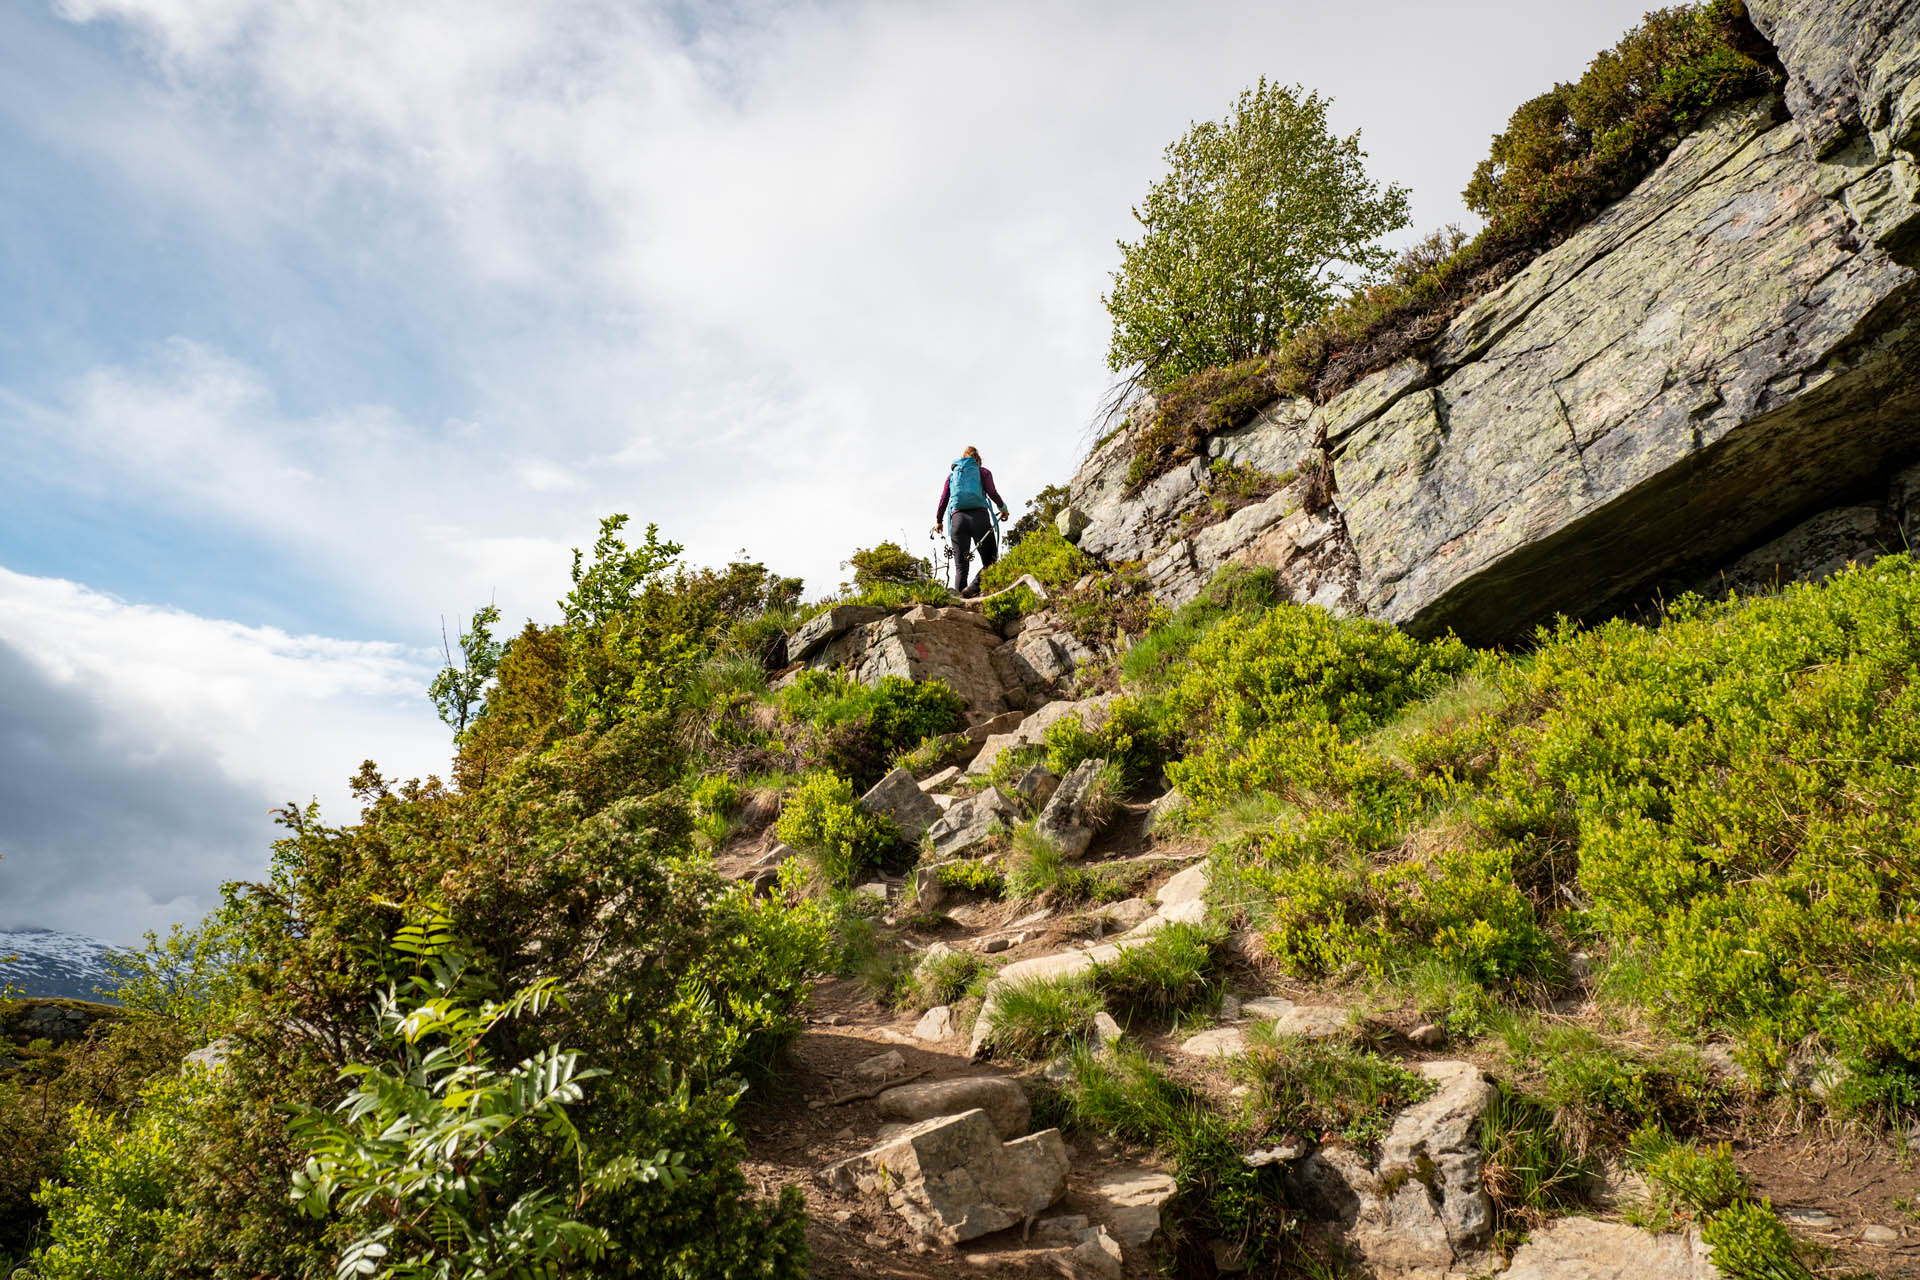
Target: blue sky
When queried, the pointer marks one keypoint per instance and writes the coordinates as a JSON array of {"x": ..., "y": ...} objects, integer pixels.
[{"x": 319, "y": 321}]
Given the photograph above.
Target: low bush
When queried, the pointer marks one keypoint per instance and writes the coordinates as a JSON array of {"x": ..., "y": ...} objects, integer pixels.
[
  {"x": 1136, "y": 738},
  {"x": 972, "y": 875},
  {"x": 109, "y": 1209},
  {"x": 888, "y": 564},
  {"x": 823, "y": 819},
  {"x": 1686, "y": 1179},
  {"x": 1749, "y": 1242},
  {"x": 1046, "y": 555},
  {"x": 714, "y": 798},
  {"x": 863, "y": 728}
]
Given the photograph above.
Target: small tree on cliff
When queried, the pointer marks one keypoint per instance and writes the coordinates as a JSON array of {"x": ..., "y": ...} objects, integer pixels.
[{"x": 1262, "y": 218}]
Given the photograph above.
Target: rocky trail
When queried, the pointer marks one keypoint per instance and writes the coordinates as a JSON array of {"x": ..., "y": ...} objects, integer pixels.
[
  {"x": 919, "y": 1153},
  {"x": 1706, "y": 387}
]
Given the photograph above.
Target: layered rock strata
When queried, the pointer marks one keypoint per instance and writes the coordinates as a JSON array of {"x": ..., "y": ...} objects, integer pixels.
[{"x": 1721, "y": 355}]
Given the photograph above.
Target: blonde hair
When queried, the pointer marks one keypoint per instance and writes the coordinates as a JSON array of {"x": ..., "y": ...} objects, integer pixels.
[{"x": 970, "y": 452}]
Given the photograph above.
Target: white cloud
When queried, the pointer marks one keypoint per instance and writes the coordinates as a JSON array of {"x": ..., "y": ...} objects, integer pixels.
[
  {"x": 143, "y": 747},
  {"x": 755, "y": 279},
  {"x": 466, "y": 275},
  {"x": 168, "y": 678}
]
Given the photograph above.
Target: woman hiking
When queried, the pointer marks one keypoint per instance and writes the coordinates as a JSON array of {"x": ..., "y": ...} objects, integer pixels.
[{"x": 968, "y": 488}]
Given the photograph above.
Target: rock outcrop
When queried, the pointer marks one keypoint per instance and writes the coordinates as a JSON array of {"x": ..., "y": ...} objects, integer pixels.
[
  {"x": 1421, "y": 1210},
  {"x": 1587, "y": 1249},
  {"x": 1723, "y": 354},
  {"x": 994, "y": 674}
]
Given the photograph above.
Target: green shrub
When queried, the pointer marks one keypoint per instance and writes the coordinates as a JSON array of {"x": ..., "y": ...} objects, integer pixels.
[
  {"x": 109, "y": 1209},
  {"x": 864, "y": 727},
  {"x": 1041, "y": 509},
  {"x": 1297, "y": 663},
  {"x": 1135, "y": 737},
  {"x": 105, "y": 1073},
  {"x": 888, "y": 564},
  {"x": 439, "y": 1159},
  {"x": 1750, "y": 1242},
  {"x": 1046, "y": 555},
  {"x": 714, "y": 797},
  {"x": 1008, "y": 606},
  {"x": 972, "y": 875},
  {"x": 1685, "y": 1178},
  {"x": 823, "y": 819},
  {"x": 1174, "y": 971}
]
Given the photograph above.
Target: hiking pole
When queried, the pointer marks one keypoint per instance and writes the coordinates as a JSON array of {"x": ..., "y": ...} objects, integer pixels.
[{"x": 942, "y": 556}]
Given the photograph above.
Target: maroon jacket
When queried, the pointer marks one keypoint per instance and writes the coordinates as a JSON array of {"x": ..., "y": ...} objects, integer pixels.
[{"x": 986, "y": 482}]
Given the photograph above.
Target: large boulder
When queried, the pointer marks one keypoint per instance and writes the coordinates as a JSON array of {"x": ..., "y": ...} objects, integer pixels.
[
  {"x": 816, "y": 632},
  {"x": 1004, "y": 1101},
  {"x": 952, "y": 1179},
  {"x": 972, "y": 822},
  {"x": 898, "y": 797},
  {"x": 1722, "y": 355},
  {"x": 994, "y": 677},
  {"x": 1713, "y": 354},
  {"x": 926, "y": 643},
  {"x": 1421, "y": 1211}
]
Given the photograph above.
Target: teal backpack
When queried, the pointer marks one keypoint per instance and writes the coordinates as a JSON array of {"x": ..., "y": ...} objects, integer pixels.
[{"x": 964, "y": 491}]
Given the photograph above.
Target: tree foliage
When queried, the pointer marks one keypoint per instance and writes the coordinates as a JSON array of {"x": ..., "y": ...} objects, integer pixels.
[
  {"x": 419, "y": 1149},
  {"x": 458, "y": 689},
  {"x": 1263, "y": 219}
]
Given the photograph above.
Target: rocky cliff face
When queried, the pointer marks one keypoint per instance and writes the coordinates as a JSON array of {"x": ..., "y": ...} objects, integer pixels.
[{"x": 1725, "y": 353}]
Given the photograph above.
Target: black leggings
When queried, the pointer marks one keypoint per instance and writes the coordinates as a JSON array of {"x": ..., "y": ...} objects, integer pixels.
[{"x": 964, "y": 528}]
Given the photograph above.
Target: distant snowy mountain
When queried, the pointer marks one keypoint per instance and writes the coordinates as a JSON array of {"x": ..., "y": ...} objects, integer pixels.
[{"x": 48, "y": 962}]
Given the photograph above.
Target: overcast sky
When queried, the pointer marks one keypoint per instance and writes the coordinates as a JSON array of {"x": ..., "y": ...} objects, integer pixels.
[{"x": 320, "y": 319}]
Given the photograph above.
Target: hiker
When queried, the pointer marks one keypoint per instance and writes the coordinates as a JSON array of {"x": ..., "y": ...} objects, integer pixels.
[{"x": 969, "y": 485}]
